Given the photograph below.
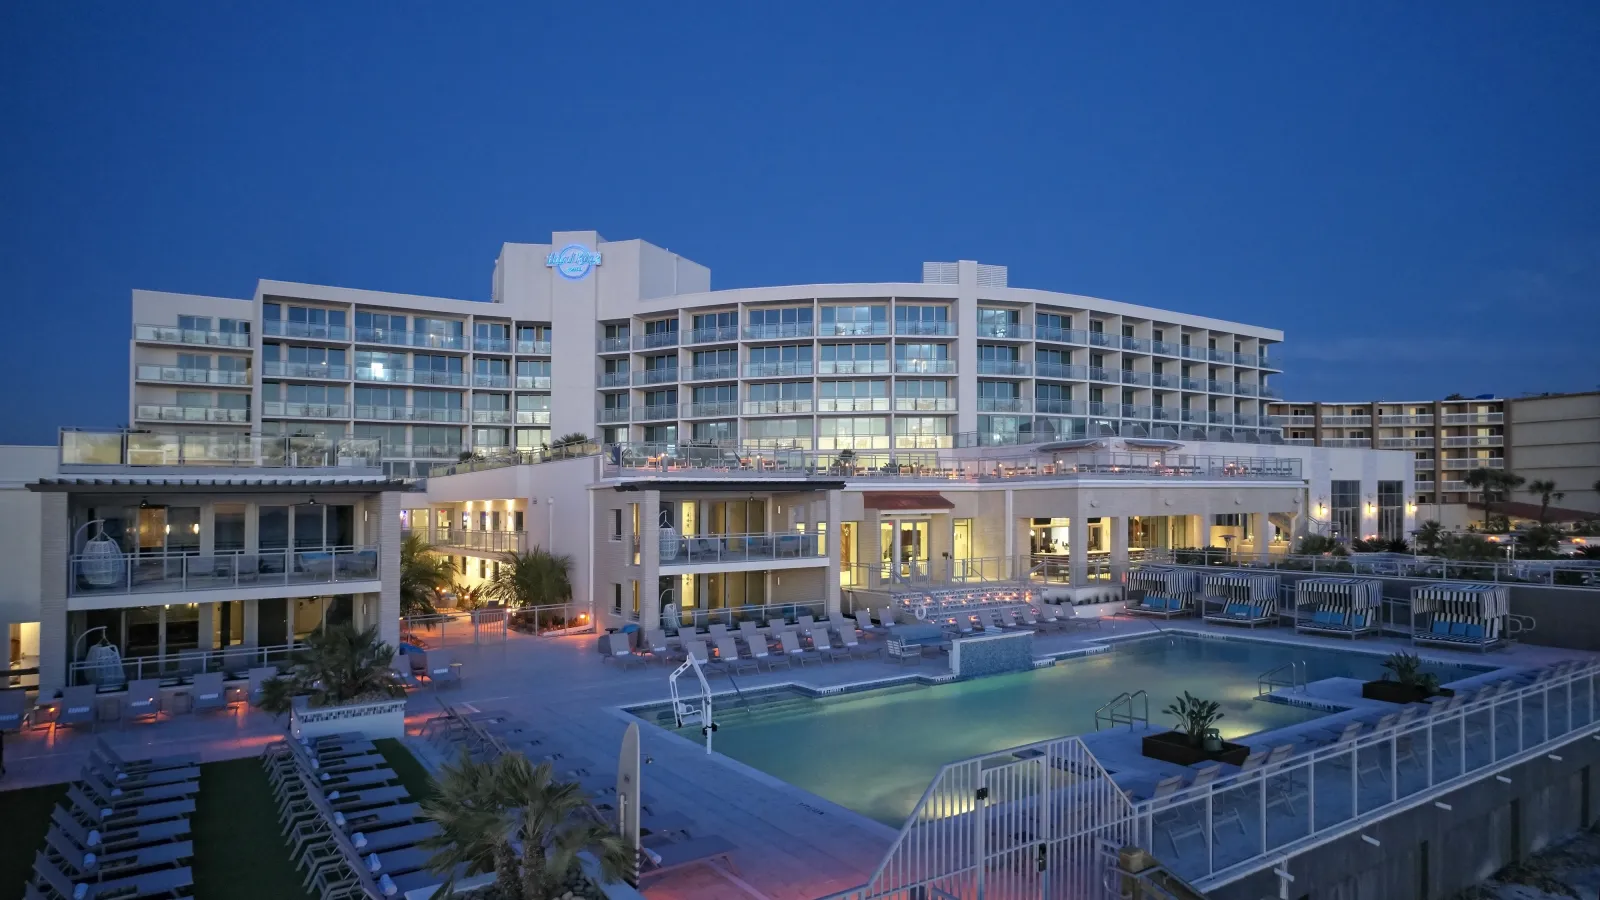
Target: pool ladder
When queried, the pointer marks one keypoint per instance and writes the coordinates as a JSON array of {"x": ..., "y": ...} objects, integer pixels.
[
  {"x": 1119, "y": 711},
  {"x": 1274, "y": 678}
]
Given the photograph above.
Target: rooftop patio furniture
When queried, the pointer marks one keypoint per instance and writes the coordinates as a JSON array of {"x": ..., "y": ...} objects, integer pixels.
[
  {"x": 157, "y": 883},
  {"x": 77, "y": 706},
  {"x": 803, "y": 621},
  {"x": 1160, "y": 591},
  {"x": 358, "y": 800},
  {"x": 621, "y": 653},
  {"x": 113, "y": 840},
  {"x": 657, "y": 859},
  {"x": 375, "y": 817},
  {"x": 143, "y": 700},
  {"x": 793, "y": 650},
  {"x": 256, "y": 677},
  {"x": 776, "y": 624},
  {"x": 761, "y": 653},
  {"x": 107, "y": 795},
  {"x": 698, "y": 650},
  {"x": 86, "y": 862},
  {"x": 208, "y": 693},
  {"x": 379, "y": 840},
  {"x": 1344, "y": 606},
  {"x": 728, "y": 655},
  {"x": 398, "y": 861},
  {"x": 1240, "y": 598},
  {"x": 822, "y": 642},
  {"x": 715, "y": 630},
  {"x": 13, "y": 709},
  {"x": 864, "y": 622},
  {"x": 655, "y": 642},
  {"x": 93, "y": 814},
  {"x": 443, "y": 671},
  {"x": 1460, "y": 614},
  {"x": 852, "y": 644},
  {"x": 106, "y": 752}
]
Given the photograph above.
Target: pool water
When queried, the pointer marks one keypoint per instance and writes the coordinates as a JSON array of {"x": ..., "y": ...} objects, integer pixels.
[{"x": 876, "y": 751}]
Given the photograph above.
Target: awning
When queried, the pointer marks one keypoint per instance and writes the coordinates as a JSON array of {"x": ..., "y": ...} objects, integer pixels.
[{"x": 903, "y": 500}]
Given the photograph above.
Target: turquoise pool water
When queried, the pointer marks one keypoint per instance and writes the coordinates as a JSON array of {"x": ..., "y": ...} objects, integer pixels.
[{"x": 876, "y": 751}]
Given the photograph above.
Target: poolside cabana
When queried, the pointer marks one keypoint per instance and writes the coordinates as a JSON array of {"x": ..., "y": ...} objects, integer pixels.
[
  {"x": 1239, "y": 598},
  {"x": 1344, "y": 606},
  {"x": 1462, "y": 614},
  {"x": 1160, "y": 591}
]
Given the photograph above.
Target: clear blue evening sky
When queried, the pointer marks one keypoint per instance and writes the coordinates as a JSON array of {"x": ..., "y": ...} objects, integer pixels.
[{"x": 1410, "y": 191}]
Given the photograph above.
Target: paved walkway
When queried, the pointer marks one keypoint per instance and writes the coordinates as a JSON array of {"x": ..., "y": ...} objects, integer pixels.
[{"x": 792, "y": 844}]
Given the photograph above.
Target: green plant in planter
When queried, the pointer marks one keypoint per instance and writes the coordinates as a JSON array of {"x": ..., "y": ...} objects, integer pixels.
[
  {"x": 1407, "y": 670},
  {"x": 1195, "y": 716},
  {"x": 338, "y": 665}
]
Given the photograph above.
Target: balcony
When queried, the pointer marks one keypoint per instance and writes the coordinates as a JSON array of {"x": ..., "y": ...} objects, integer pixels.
[
  {"x": 1061, "y": 372},
  {"x": 1404, "y": 443},
  {"x": 445, "y": 540},
  {"x": 711, "y": 410},
  {"x": 1104, "y": 410},
  {"x": 852, "y": 329},
  {"x": 1051, "y": 407},
  {"x": 925, "y": 404},
  {"x": 1270, "y": 393},
  {"x": 656, "y": 376},
  {"x": 191, "y": 337},
  {"x": 533, "y": 382},
  {"x": 1136, "y": 344},
  {"x": 1164, "y": 381},
  {"x": 721, "y": 334},
  {"x": 1002, "y": 404},
  {"x": 1062, "y": 335},
  {"x": 1300, "y": 442},
  {"x": 1192, "y": 384},
  {"x": 1004, "y": 367},
  {"x": 533, "y": 348},
  {"x": 1164, "y": 414},
  {"x": 97, "y": 576},
  {"x": 492, "y": 345},
  {"x": 1454, "y": 487},
  {"x": 617, "y": 414},
  {"x": 176, "y": 375},
  {"x": 718, "y": 372},
  {"x": 618, "y": 379},
  {"x": 777, "y": 407},
  {"x": 923, "y": 441},
  {"x": 423, "y": 451},
  {"x": 1219, "y": 387},
  {"x": 924, "y": 329},
  {"x": 1130, "y": 411},
  {"x": 533, "y": 417},
  {"x": 1347, "y": 442},
  {"x": 776, "y": 332},
  {"x": 655, "y": 412},
  {"x": 1405, "y": 420},
  {"x": 1244, "y": 389},
  {"x": 1423, "y": 464},
  {"x": 89, "y": 448},
  {"x": 1474, "y": 440},
  {"x": 778, "y": 369},
  {"x": 853, "y": 367},
  {"x": 1470, "y": 464},
  {"x": 291, "y": 410},
  {"x": 158, "y": 413},
  {"x": 655, "y": 339},
  {"x": 1101, "y": 339},
  {"x": 1100, "y": 373},
  {"x": 410, "y": 413},
  {"x": 1188, "y": 352},
  {"x": 1010, "y": 331},
  {"x": 732, "y": 549},
  {"x": 614, "y": 344},
  {"x": 442, "y": 379},
  {"x": 1219, "y": 356},
  {"x": 1347, "y": 421},
  {"x": 852, "y": 404},
  {"x": 912, "y": 366},
  {"x": 1165, "y": 348},
  {"x": 486, "y": 380},
  {"x": 1300, "y": 421},
  {"x": 1130, "y": 376},
  {"x": 320, "y": 371},
  {"x": 1219, "y": 418},
  {"x": 1423, "y": 486},
  {"x": 491, "y": 417},
  {"x": 1473, "y": 418}
]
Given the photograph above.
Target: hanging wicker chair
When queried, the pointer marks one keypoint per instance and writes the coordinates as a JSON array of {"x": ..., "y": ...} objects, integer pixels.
[
  {"x": 104, "y": 664},
  {"x": 671, "y": 543},
  {"x": 101, "y": 562}
]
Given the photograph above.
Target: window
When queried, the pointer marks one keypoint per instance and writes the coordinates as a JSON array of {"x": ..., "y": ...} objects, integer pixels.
[
  {"x": 779, "y": 432},
  {"x": 661, "y": 363},
  {"x": 617, "y": 332},
  {"x": 779, "y": 390},
  {"x": 793, "y": 316},
  {"x": 194, "y": 323},
  {"x": 661, "y": 398},
  {"x": 715, "y": 432},
  {"x": 994, "y": 353},
  {"x": 728, "y": 319},
  {"x": 1391, "y": 510},
  {"x": 661, "y": 326},
  {"x": 855, "y": 319},
  {"x": 1052, "y": 326},
  {"x": 233, "y": 326},
  {"x": 998, "y": 322},
  {"x": 1345, "y": 509},
  {"x": 921, "y": 432},
  {"x": 721, "y": 393},
  {"x": 999, "y": 390},
  {"x": 725, "y": 357},
  {"x": 921, "y": 389},
  {"x": 871, "y": 433},
  {"x": 616, "y": 599},
  {"x": 922, "y": 320}
]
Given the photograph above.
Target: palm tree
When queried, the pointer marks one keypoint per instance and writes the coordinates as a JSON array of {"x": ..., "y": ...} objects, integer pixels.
[
  {"x": 534, "y": 578},
  {"x": 337, "y": 665},
  {"x": 1492, "y": 483},
  {"x": 1429, "y": 536},
  {"x": 488, "y": 810},
  {"x": 1546, "y": 491},
  {"x": 423, "y": 574}
]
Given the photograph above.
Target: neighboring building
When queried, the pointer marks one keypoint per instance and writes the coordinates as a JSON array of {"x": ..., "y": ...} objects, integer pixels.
[
  {"x": 1556, "y": 437},
  {"x": 1447, "y": 439},
  {"x": 624, "y": 341}
]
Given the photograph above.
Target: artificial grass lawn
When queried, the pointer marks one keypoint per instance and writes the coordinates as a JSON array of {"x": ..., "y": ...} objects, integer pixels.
[
  {"x": 25, "y": 814},
  {"x": 239, "y": 849},
  {"x": 418, "y": 783}
]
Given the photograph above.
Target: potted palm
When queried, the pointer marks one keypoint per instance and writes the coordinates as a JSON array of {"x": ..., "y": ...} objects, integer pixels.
[
  {"x": 513, "y": 821},
  {"x": 1404, "y": 681},
  {"x": 1196, "y": 739},
  {"x": 339, "y": 681}
]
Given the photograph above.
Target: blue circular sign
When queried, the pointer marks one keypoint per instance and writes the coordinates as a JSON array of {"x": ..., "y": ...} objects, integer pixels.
[{"x": 573, "y": 262}]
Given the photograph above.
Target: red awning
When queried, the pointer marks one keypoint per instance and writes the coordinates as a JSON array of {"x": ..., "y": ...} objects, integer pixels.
[{"x": 905, "y": 500}]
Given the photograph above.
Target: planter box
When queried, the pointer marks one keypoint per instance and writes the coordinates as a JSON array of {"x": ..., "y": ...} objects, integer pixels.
[
  {"x": 1395, "y": 692},
  {"x": 372, "y": 720},
  {"x": 1174, "y": 747}
]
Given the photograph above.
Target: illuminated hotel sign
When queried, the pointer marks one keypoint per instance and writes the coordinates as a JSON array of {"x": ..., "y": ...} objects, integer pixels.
[{"x": 573, "y": 261}]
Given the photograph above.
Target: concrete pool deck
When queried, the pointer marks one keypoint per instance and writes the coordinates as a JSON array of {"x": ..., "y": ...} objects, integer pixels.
[{"x": 791, "y": 844}]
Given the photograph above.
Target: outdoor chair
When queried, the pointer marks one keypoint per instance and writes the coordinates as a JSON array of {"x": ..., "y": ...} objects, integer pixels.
[
  {"x": 716, "y": 630},
  {"x": 864, "y": 622},
  {"x": 728, "y": 655},
  {"x": 123, "y": 764},
  {"x": 886, "y": 619},
  {"x": 761, "y": 653},
  {"x": 657, "y": 859},
  {"x": 697, "y": 649},
  {"x": 207, "y": 693},
  {"x": 258, "y": 676},
  {"x": 419, "y": 662},
  {"x": 803, "y": 622},
  {"x": 793, "y": 650},
  {"x": 157, "y": 883},
  {"x": 105, "y": 794},
  {"x": 822, "y": 642},
  {"x": 443, "y": 671},
  {"x": 77, "y": 706},
  {"x": 143, "y": 700},
  {"x": 750, "y": 631},
  {"x": 113, "y": 840},
  {"x": 777, "y": 624},
  {"x": 13, "y": 709},
  {"x": 853, "y": 645},
  {"x": 656, "y": 645},
  {"x": 621, "y": 653}
]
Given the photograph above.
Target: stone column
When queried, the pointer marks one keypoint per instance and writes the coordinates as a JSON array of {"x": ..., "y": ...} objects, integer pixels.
[
  {"x": 54, "y": 540},
  {"x": 1261, "y": 529},
  {"x": 830, "y": 589},
  {"x": 1078, "y": 545},
  {"x": 388, "y": 542},
  {"x": 650, "y": 563},
  {"x": 1207, "y": 523},
  {"x": 1119, "y": 546},
  {"x": 1011, "y": 540}
]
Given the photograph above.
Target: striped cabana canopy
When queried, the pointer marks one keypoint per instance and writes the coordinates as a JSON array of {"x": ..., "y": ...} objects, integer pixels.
[
  {"x": 1343, "y": 593},
  {"x": 1164, "y": 581},
  {"x": 1245, "y": 587},
  {"x": 1462, "y": 600}
]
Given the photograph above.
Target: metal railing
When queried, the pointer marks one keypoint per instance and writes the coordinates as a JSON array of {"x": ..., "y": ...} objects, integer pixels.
[
  {"x": 410, "y": 413},
  {"x": 1565, "y": 573},
  {"x": 924, "y": 329},
  {"x": 1011, "y": 331},
  {"x": 852, "y": 329},
  {"x": 619, "y": 344},
  {"x": 423, "y": 339},
  {"x": 160, "y": 413},
  {"x": 853, "y": 367},
  {"x": 116, "y": 447},
  {"x": 778, "y": 369},
  {"x": 1473, "y": 418},
  {"x": 925, "y": 404},
  {"x": 1009, "y": 367},
  {"x": 718, "y": 372},
  {"x": 917, "y": 366},
  {"x": 715, "y": 334},
  {"x": 491, "y": 344},
  {"x": 179, "y": 375},
  {"x": 710, "y": 409},
  {"x": 306, "y": 410},
  {"x": 710, "y": 549},
  {"x": 90, "y": 574},
  {"x": 1473, "y": 440},
  {"x": 655, "y": 339},
  {"x": 1108, "y": 716},
  {"x": 655, "y": 376},
  {"x": 196, "y": 337},
  {"x": 697, "y": 619},
  {"x": 235, "y": 661},
  {"x": 1274, "y": 678},
  {"x": 486, "y": 541},
  {"x": 775, "y": 332},
  {"x": 536, "y": 348},
  {"x": 777, "y": 407}
]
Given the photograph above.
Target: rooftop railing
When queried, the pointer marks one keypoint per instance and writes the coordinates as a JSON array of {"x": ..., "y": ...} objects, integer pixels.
[
  {"x": 483, "y": 541},
  {"x": 88, "y": 447},
  {"x": 1566, "y": 573},
  {"x": 93, "y": 574}
]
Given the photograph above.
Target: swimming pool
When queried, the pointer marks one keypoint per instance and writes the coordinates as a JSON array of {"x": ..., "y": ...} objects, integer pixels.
[{"x": 876, "y": 751}]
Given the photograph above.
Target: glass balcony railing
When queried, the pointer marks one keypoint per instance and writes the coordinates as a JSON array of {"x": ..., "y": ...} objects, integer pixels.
[
  {"x": 778, "y": 369},
  {"x": 96, "y": 575},
  {"x": 719, "y": 372},
  {"x": 409, "y": 413},
  {"x": 534, "y": 348},
  {"x": 1011, "y": 331},
  {"x": 383, "y": 375},
  {"x": 655, "y": 412},
  {"x": 176, "y": 375},
  {"x": 1164, "y": 414},
  {"x": 655, "y": 376},
  {"x": 321, "y": 371},
  {"x": 1189, "y": 352},
  {"x": 777, "y": 407},
  {"x": 423, "y": 451},
  {"x": 160, "y": 413},
  {"x": 617, "y": 414},
  {"x": 1052, "y": 407},
  {"x": 716, "y": 549},
  {"x": 721, "y": 334},
  {"x": 1164, "y": 381},
  {"x": 1061, "y": 335},
  {"x": 1139, "y": 344},
  {"x": 533, "y": 417},
  {"x": 1165, "y": 348},
  {"x": 532, "y": 382},
  {"x": 924, "y": 329},
  {"x": 615, "y": 379},
  {"x": 852, "y": 404},
  {"x": 1101, "y": 373},
  {"x": 1061, "y": 372},
  {"x": 919, "y": 366},
  {"x": 421, "y": 339},
  {"x": 113, "y": 447},
  {"x": 774, "y": 332},
  {"x": 194, "y": 337},
  {"x": 482, "y": 541},
  {"x": 619, "y": 344},
  {"x": 711, "y": 410},
  {"x": 486, "y": 380},
  {"x": 852, "y": 329},
  {"x": 491, "y": 345},
  {"x": 1001, "y": 404},
  {"x": 293, "y": 410},
  {"x": 314, "y": 331},
  {"x": 925, "y": 404},
  {"x": 1008, "y": 367},
  {"x": 1101, "y": 339},
  {"x": 655, "y": 339},
  {"x": 853, "y": 367},
  {"x": 1129, "y": 376},
  {"x": 491, "y": 417}
]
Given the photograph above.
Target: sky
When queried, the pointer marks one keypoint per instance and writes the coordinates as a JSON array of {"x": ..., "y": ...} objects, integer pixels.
[{"x": 1409, "y": 191}]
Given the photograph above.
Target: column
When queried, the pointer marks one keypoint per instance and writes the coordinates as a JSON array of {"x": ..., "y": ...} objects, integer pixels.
[
  {"x": 650, "y": 564},
  {"x": 208, "y": 613},
  {"x": 388, "y": 541},
  {"x": 1261, "y": 528},
  {"x": 1119, "y": 546},
  {"x": 53, "y": 575},
  {"x": 1207, "y": 523},
  {"x": 252, "y": 633},
  {"x": 1011, "y": 540},
  {"x": 1078, "y": 546},
  {"x": 830, "y": 588}
]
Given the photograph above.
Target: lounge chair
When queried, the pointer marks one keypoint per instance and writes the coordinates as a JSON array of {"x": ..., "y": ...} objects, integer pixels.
[
  {"x": 157, "y": 883},
  {"x": 443, "y": 671},
  {"x": 804, "y": 622},
  {"x": 621, "y": 653},
  {"x": 1008, "y": 618},
  {"x": 658, "y": 649},
  {"x": 393, "y": 838},
  {"x": 77, "y": 706},
  {"x": 419, "y": 663},
  {"x": 88, "y": 862},
  {"x": 822, "y": 642},
  {"x": 258, "y": 676},
  {"x": 698, "y": 650},
  {"x": 94, "y": 815},
  {"x": 777, "y": 624},
  {"x": 112, "y": 840},
  {"x": 109, "y": 754},
  {"x": 143, "y": 700},
  {"x": 728, "y": 655},
  {"x": 658, "y": 859},
  {"x": 760, "y": 652},
  {"x": 716, "y": 630},
  {"x": 864, "y": 622},
  {"x": 115, "y": 796},
  {"x": 207, "y": 694},
  {"x": 852, "y": 645},
  {"x": 750, "y": 630},
  {"x": 793, "y": 650}
]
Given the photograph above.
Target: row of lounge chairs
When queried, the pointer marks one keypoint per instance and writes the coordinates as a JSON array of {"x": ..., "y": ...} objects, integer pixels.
[
  {"x": 82, "y": 706},
  {"x": 349, "y": 823},
  {"x": 668, "y": 840},
  {"x": 122, "y": 831}
]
